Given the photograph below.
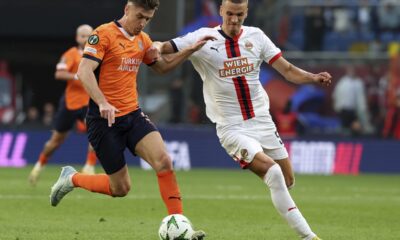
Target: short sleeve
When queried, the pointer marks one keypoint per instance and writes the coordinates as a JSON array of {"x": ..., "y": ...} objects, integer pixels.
[
  {"x": 66, "y": 62},
  {"x": 147, "y": 43},
  {"x": 96, "y": 45},
  {"x": 184, "y": 41},
  {"x": 269, "y": 52}
]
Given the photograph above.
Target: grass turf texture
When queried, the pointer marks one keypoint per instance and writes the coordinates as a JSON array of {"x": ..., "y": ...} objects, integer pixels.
[{"x": 227, "y": 204}]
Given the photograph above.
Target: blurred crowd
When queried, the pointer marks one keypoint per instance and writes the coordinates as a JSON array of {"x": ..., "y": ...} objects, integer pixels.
[
  {"x": 358, "y": 26},
  {"x": 35, "y": 118}
]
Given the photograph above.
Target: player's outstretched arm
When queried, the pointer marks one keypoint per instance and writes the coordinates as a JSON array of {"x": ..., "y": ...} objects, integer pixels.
[
  {"x": 298, "y": 75},
  {"x": 86, "y": 75},
  {"x": 64, "y": 75},
  {"x": 166, "y": 62}
]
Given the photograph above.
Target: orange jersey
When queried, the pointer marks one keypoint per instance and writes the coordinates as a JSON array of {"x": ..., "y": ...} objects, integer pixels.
[
  {"x": 75, "y": 95},
  {"x": 119, "y": 56}
]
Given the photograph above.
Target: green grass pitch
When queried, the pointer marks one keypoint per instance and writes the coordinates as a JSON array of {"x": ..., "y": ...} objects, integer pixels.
[{"x": 227, "y": 204}]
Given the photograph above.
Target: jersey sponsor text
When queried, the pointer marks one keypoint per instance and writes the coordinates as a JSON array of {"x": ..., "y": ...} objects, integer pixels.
[
  {"x": 236, "y": 67},
  {"x": 130, "y": 64}
]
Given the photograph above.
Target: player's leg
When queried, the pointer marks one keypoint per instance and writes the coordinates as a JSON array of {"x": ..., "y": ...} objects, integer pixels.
[
  {"x": 274, "y": 148},
  {"x": 287, "y": 171},
  {"x": 56, "y": 139},
  {"x": 243, "y": 146},
  {"x": 271, "y": 174},
  {"x": 151, "y": 148},
  {"x": 109, "y": 143},
  {"x": 145, "y": 141},
  {"x": 63, "y": 123},
  {"x": 116, "y": 184}
]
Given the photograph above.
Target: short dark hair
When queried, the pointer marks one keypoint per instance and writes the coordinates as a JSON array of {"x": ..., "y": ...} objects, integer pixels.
[
  {"x": 146, "y": 4},
  {"x": 235, "y": 1}
]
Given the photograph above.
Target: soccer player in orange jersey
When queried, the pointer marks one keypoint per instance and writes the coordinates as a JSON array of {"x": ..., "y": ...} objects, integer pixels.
[
  {"x": 72, "y": 107},
  {"x": 108, "y": 71}
]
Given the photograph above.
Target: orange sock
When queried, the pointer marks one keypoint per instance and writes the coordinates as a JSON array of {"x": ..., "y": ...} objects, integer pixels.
[
  {"x": 170, "y": 192},
  {"x": 43, "y": 159},
  {"x": 91, "y": 158},
  {"x": 99, "y": 183}
]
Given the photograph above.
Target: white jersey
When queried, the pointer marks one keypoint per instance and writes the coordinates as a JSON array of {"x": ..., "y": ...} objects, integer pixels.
[{"x": 229, "y": 68}]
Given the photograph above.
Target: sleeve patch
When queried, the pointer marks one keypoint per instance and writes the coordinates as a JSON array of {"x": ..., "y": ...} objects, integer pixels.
[
  {"x": 93, "y": 39},
  {"x": 90, "y": 50}
]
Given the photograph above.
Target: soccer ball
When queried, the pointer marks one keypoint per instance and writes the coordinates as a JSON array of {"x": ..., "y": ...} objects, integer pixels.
[{"x": 175, "y": 227}]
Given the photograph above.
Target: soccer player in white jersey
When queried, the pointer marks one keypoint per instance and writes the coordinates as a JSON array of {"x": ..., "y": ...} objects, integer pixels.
[{"x": 236, "y": 101}]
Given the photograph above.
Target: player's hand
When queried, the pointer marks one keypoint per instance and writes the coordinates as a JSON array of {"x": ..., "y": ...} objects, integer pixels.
[
  {"x": 76, "y": 78},
  {"x": 108, "y": 111},
  {"x": 200, "y": 43},
  {"x": 323, "y": 78},
  {"x": 152, "y": 54}
]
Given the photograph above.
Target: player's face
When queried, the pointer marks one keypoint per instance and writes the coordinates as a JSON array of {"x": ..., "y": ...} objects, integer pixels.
[
  {"x": 233, "y": 16},
  {"x": 137, "y": 18},
  {"x": 82, "y": 36}
]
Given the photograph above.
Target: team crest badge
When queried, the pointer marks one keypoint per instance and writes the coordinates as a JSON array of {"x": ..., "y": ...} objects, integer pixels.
[
  {"x": 140, "y": 43},
  {"x": 244, "y": 153},
  {"x": 93, "y": 39},
  {"x": 248, "y": 45}
]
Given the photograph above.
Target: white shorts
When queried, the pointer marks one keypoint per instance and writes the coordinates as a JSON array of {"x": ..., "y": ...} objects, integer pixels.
[{"x": 244, "y": 140}]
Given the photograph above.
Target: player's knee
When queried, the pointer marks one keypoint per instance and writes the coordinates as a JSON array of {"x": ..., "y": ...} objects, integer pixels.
[
  {"x": 274, "y": 178},
  {"x": 55, "y": 142},
  {"x": 164, "y": 163},
  {"x": 52, "y": 144},
  {"x": 121, "y": 190}
]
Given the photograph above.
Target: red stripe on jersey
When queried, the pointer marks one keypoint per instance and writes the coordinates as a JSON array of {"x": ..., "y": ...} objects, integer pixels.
[
  {"x": 248, "y": 98},
  {"x": 240, "y": 97},
  {"x": 244, "y": 98},
  {"x": 236, "y": 47},
  {"x": 240, "y": 82},
  {"x": 228, "y": 48},
  {"x": 275, "y": 58}
]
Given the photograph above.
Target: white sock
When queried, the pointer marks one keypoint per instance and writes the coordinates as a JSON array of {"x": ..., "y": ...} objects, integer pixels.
[
  {"x": 284, "y": 203},
  {"x": 38, "y": 166}
]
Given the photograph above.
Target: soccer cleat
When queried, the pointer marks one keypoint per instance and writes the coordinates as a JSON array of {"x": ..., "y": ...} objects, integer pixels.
[
  {"x": 63, "y": 185},
  {"x": 316, "y": 238},
  {"x": 198, "y": 235},
  {"x": 35, "y": 173},
  {"x": 88, "y": 169}
]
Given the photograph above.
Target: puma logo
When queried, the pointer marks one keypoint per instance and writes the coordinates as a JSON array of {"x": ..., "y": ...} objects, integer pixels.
[{"x": 215, "y": 49}]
